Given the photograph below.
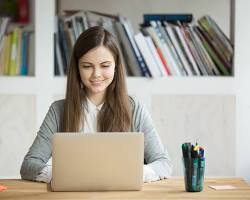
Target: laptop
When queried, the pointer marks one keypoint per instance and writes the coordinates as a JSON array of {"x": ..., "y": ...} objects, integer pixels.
[{"x": 97, "y": 161}]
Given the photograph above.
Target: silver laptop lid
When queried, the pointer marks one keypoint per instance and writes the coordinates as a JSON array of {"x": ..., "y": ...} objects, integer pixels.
[{"x": 99, "y": 161}]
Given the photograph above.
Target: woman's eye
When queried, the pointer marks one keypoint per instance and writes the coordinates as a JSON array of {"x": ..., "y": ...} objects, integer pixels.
[
  {"x": 106, "y": 66},
  {"x": 86, "y": 66}
]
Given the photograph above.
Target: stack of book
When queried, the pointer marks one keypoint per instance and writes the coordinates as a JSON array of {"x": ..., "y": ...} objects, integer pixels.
[
  {"x": 16, "y": 50},
  {"x": 172, "y": 45},
  {"x": 16, "y": 39},
  {"x": 70, "y": 25},
  {"x": 167, "y": 45}
]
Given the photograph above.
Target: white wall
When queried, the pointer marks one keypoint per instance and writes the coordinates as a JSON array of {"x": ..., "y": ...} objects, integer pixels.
[
  {"x": 242, "y": 75},
  {"x": 17, "y": 126},
  {"x": 206, "y": 119}
]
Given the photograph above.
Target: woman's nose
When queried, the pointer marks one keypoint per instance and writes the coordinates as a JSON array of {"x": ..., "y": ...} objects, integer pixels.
[{"x": 96, "y": 72}]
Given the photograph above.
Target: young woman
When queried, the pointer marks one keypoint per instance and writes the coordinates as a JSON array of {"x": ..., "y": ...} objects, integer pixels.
[{"x": 96, "y": 101}]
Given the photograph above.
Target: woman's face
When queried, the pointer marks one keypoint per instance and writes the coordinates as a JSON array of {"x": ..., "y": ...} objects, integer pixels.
[{"x": 97, "y": 69}]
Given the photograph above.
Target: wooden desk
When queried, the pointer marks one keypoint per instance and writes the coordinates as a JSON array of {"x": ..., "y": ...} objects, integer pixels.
[{"x": 166, "y": 189}]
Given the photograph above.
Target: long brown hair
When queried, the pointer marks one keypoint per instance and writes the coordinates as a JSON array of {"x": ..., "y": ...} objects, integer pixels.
[{"x": 116, "y": 113}]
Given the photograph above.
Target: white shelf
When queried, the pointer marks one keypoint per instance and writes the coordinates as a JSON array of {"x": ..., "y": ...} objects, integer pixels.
[
  {"x": 18, "y": 85},
  {"x": 169, "y": 85},
  {"x": 182, "y": 85},
  {"x": 46, "y": 83}
]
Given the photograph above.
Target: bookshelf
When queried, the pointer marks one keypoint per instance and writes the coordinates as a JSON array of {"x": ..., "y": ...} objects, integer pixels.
[
  {"x": 178, "y": 64},
  {"x": 17, "y": 41},
  {"x": 44, "y": 87}
]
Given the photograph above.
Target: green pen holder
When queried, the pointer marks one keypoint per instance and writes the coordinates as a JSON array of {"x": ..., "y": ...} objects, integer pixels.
[{"x": 194, "y": 174}]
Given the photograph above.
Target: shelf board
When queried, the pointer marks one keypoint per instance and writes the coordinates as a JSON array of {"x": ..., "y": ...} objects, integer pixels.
[
  {"x": 169, "y": 85},
  {"x": 17, "y": 84},
  {"x": 182, "y": 85}
]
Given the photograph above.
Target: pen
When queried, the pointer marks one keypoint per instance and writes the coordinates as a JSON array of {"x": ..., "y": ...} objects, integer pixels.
[
  {"x": 200, "y": 175},
  {"x": 194, "y": 155},
  {"x": 201, "y": 152}
]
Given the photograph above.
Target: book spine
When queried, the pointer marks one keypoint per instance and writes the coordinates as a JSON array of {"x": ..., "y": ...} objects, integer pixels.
[
  {"x": 166, "y": 50},
  {"x": 23, "y": 11},
  {"x": 19, "y": 51},
  {"x": 206, "y": 26},
  {"x": 179, "y": 53},
  {"x": 171, "y": 47},
  {"x": 201, "y": 67},
  {"x": 59, "y": 56},
  {"x": 220, "y": 65},
  {"x": 189, "y": 48},
  {"x": 147, "y": 31},
  {"x": 7, "y": 54},
  {"x": 156, "y": 56},
  {"x": 13, "y": 55},
  {"x": 186, "y": 49},
  {"x": 215, "y": 48},
  {"x": 30, "y": 52},
  {"x": 2, "y": 55},
  {"x": 142, "y": 45},
  {"x": 137, "y": 53},
  {"x": 24, "y": 60},
  {"x": 132, "y": 65},
  {"x": 206, "y": 56},
  {"x": 63, "y": 45}
]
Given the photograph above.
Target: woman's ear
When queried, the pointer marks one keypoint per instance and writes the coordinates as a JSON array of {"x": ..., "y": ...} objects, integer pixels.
[{"x": 81, "y": 85}]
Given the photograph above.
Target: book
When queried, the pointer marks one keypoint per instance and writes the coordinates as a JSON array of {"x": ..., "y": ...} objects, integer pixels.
[
  {"x": 215, "y": 47},
  {"x": 213, "y": 55},
  {"x": 191, "y": 44},
  {"x": 63, "y": 45},
  {"x": 24, "y": 57},
  {"x": 186, "y": 49},
  {"x": 131, "y": 63},
  {"x": 18, "y": 51},
  {"x": 157, "y": 36},
  {"x": 2, "y": 55},
  {"x": 171, "y": 47},
  {"x": 147, "y": 32},
  {"x": 156, "y": 56},
  {"x": 205, "y": 58},
  {"x": 7, "y": 52},
  {"x": 220, "y": 41},
  {"x": 70, "y": 23},
  {"x": 17, "y": 10},
  {"x": 176, "y": 44},
  {"x": 148, "y": 57},
  {"x": 4, "y": 23},
  {"x": 189, "y": 47},
  {"x": 22, "y": 11},
  {"x": 144, "y": 69},
  {"x": 59, "y": 58},
  {"x": 13, "y": 54},
  {"x": 31, "y": 52},
  {"x": 182, "y": 17}
]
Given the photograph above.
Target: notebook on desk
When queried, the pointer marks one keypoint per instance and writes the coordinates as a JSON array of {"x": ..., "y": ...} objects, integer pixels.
[{"x": 97, "y": 161}]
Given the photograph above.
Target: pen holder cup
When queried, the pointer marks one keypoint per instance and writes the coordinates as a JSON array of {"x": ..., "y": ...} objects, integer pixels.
[{"x": 194, "y": 174}]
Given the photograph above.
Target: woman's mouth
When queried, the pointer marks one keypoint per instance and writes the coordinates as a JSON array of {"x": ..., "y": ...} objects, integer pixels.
[{"x": 96, "y": 83}]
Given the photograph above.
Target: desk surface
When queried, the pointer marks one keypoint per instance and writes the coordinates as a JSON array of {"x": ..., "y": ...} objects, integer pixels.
[{"x": 166, "y": 189}]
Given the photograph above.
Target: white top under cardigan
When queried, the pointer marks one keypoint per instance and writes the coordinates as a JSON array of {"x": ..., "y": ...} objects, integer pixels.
[{"x": 90, "y": 126}]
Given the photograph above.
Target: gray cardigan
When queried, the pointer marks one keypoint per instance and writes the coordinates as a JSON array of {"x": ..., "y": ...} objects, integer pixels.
[{"x": 40, "y": 151}]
